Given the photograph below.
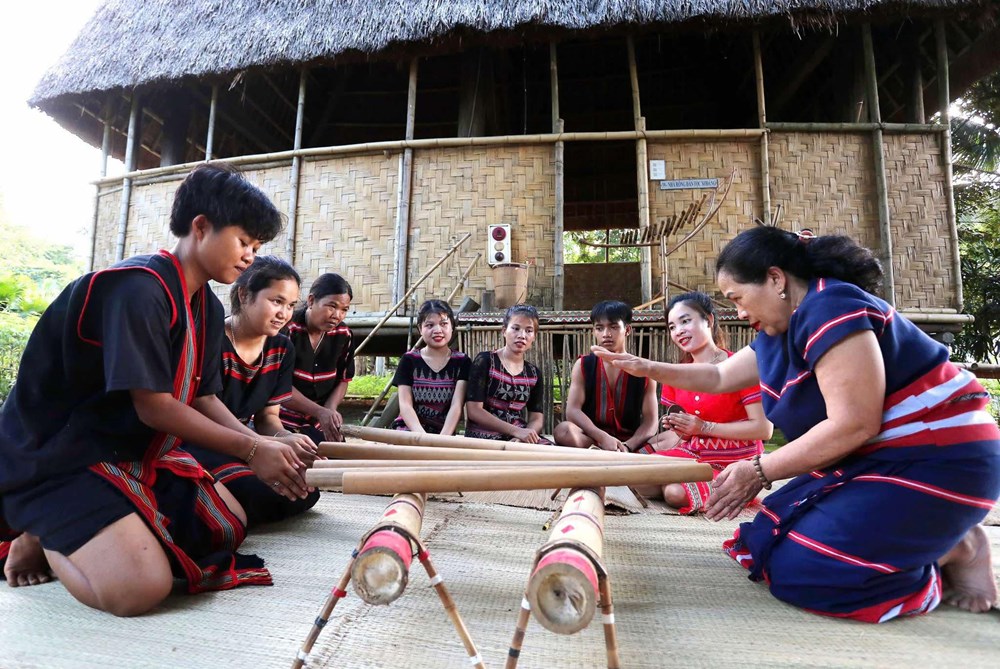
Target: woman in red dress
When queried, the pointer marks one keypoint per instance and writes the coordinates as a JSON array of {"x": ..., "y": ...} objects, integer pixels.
[{"x": 717, "y": 429}]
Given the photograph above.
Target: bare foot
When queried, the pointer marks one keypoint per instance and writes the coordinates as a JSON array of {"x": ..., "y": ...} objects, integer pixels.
[
  {"x": 26, "y": 563},
  {"x": 967, "y": 572}
]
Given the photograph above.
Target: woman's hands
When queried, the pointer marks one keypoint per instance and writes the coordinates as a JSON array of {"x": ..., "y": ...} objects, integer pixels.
[
  {"x": 684, "y": 424},
  {"x": 734, "y": 487},
  {"x": 525, "y": 435},
  {"x": 276, "y": 463},
  {"x": 330, "y": 421},
  {"x": 632, "y": 364},
  {"x": 304, "y": 448}
]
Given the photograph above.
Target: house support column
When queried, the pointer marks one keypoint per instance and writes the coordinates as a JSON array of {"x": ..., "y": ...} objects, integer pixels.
[
  {"x": 131, "y": 151},
  {"x": 765, "y": 164},
  {"x": 212, "y": 109},
  {"x": 944, "y": 103},
  {"x": 105, "y": 152},
  {"x": 558, "y": 156},
  {"x": 293, "y": 200},
  {"x": 405, "y": 188},
  {"x": 642, "y": 173},
  {"x": 878, "y": 152}
]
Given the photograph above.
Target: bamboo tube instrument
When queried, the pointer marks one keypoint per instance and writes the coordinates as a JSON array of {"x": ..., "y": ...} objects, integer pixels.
[
  {"x": 375, "y": 451},
  {"x": 381, "y": 570},
  {"x": 537, "y": 478},
  {"x": 563, "y": 588}
]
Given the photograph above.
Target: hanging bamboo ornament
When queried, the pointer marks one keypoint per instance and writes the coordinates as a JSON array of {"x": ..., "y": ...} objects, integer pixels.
[
  {"x": 382, "y": 568},
  {"x": 536, "y": 478},
  {"x": 563, "y": 589}
]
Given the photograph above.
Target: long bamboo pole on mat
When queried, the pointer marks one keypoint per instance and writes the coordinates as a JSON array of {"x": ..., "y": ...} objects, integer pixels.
[
  {"x": 410, "y": 291},
  {"x": 563, "y": 588},
  {"x": 538, "y": 478},
  {"x": 447, "y": 464},
  {"x": 377, "y": 451},
  {"x": 381, "y": 570},
  {"x": 404, "y": 438}
]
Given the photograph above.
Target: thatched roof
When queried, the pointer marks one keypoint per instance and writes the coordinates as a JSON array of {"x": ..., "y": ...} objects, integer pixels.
[{"x": 134, "y": 42}]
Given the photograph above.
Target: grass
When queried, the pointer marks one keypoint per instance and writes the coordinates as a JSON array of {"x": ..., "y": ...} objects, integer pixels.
[{"x": 367, "y": 386}]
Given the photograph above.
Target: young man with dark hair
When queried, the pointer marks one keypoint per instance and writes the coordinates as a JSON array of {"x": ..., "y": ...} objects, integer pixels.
[
  {"x": 605, "y": 406},
  {"x": 121, "y": 369}
]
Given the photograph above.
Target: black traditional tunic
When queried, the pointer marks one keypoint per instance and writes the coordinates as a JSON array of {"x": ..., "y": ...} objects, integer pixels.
[
  {"x": 70, "y": 423},
  {"x": 432, "y": 391},
  {"x": 503, "y": 394}
]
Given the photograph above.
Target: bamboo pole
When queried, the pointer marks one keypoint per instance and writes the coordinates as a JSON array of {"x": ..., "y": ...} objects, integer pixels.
[
  {"x": 914, "y": 128},
  {"x": 105, "y": 152},
  {"x": 414, "y": 439},
  {"x": 410, "y": 291},
  {"x": 381, "y": 451},
  {"x": 608, "y": 618},
  {"x": 381, "y": 571},
  {"x": 465, "y": 142},
  {"x": 449, "y": 607},
  {"x": 559, "y": 164},
  {"x": 563, "y": 587},
  {"x": 641, "y": 171},
  {"x": 336, "y": 594},
  {"x": 131, "y": 144},
  {"x": 944, "y": 102},
  {"x": 213, "y": 108},
  {"x": 293, "y": 200},
  {"x": 451, "y": 296},
  {"x": 374, "y": 463},
  {"x": 405, "y": 188},
  {"x": 878, "y": 151},
  {"x": 537, "y": 478},
  {"x": 765, "y": 164}
]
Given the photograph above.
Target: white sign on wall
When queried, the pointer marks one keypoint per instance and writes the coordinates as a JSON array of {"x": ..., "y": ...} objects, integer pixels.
[
  {"x": 685, "y": 184},
  {"x": 657, "y": 170}
]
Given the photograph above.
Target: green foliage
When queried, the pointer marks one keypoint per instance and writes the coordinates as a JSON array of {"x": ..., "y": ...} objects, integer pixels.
[
  {"x": 14, "y": 332},
  {"x": 35, "y": 270},
  {"x": 368, "y": 386},
  {"x": 978, "y": 213},
  {"x": 575, "y": 251}
]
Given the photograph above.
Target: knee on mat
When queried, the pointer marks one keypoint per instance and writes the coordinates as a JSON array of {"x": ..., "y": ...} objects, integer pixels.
[
  {"x": 674, "y": 495},
  {"x": 138, "y": 596}
]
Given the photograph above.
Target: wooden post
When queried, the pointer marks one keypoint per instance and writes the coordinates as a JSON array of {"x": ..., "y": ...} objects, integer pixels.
[
  {"x": 405, "y": 187},
  {"x": 293, "y": 200},
  {"x": 563, "y": 589},
  {"x": 131, "y": 153},
  {"x": 212, "y": 109},
  {"x": 944, "y": 102},
  {"x": 558, "y": 216},
  {"x": 642, "y": 172},
  {"x": 381, "y": 570},
  {"x": 878, "y": 151},
  {"x": 105, "y": 152},
  {"x": 765, "y": 165}
]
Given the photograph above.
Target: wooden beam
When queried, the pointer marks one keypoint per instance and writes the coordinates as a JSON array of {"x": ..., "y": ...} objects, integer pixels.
[
  {"x": 800, "y": 73},
  {"x": 641, "y": 173},
  {"x": 213, "y": 106},
  {"x": 765, "y": 165},
  {"x": 878, "y": 151},
  {"x": 293, "y": 200},
  {"x": 559, "y": 160},
  {"x": 332, "y": 97},
  {"x": 944, "y": 102},
  {"x": 281, "y": 95},
  {"x": 405, "y": 188},
  {"x": 249, "y": 129},
  {"x": 134, "y": 133}
]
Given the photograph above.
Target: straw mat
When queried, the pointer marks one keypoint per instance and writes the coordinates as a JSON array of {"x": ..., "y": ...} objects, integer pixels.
[{"x": 678, "y": 602}]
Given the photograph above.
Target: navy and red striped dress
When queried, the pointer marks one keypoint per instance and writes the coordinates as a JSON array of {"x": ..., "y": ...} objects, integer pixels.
[
  {"x": 861, "y": 539},
  {"x": 433, "y": 391}
]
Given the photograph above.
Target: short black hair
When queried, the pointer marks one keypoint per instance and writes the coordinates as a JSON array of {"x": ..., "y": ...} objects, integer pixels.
[
  {"x": 257, "y": 277},
  {"x": 223, "y": 195},
  {"x": 439, "y": 307},
  {"x": 521, "y": 310},
  {"x": 611, "y": 310},
  {"x": 330, "y": 284}
]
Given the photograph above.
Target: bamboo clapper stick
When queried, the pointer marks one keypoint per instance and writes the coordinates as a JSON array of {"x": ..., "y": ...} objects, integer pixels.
[
  {"x": 367, "y": 482},
  {"x": 376, "y": 451}
]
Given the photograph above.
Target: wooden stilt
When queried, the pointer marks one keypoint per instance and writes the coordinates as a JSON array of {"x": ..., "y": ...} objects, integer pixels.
[
  {"x": 339, "y": 592},
  {"x": 608, "y": 618},
  {"x": 514, "y": 653},
  {"x": 449, "y": 605}
]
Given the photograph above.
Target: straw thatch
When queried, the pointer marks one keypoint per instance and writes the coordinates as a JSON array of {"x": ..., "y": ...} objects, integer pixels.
[{"x": 129, "y": 43}]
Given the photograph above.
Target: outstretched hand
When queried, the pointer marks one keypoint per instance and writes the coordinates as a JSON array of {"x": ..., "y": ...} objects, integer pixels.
[
  {"x": 632, "y": 364},
  {"x": 305, "y": 449},
  {"x": 732, "y": 489}
]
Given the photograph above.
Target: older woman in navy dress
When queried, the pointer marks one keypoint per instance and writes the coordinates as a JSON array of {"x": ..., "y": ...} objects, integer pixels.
[{"x": 895, "y": 460}]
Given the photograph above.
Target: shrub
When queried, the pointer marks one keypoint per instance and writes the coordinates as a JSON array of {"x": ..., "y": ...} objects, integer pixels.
[{"x": 14, "y": 332}]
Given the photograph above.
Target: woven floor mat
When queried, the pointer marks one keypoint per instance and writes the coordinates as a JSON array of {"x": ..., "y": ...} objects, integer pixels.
[{"x": 675, "y": 595}]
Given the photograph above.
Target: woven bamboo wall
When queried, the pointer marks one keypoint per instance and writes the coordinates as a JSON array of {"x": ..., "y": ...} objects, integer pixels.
[
  {"x": 109, "y": 208},
  {"x": 922, "y": 246},
  {"x": 347, "y": 224},
  {"x": 465, "y": 189},
  {"x": 693, "y": 265}
]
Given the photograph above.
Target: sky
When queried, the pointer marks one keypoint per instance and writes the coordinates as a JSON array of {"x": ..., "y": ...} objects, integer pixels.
[{"x": 46, "y": 172}]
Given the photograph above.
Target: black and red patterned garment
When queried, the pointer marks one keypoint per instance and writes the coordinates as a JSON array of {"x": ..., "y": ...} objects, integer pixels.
[
  {"x": 246, "y": 389},
  {"x": 432, "y": 391},
  {"x": 319, "y": 370},
  {"x": 503, "y": 394}
]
